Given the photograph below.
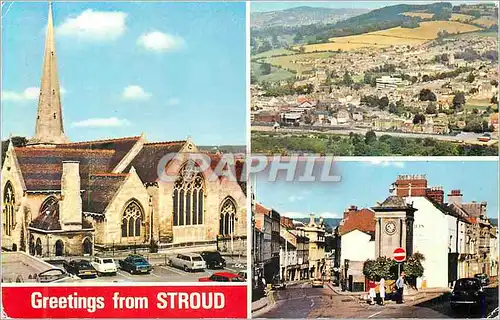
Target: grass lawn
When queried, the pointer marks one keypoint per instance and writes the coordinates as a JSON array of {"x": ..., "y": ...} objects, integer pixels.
[
  {"x": 481, "y": 104},
  {"x": 277, "y": 74},
  {"x": 271, "y": 53},
  {"x": 288, "y": 62}
]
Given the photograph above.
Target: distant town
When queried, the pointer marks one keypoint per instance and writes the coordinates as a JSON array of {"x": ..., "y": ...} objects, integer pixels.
[{"x": 430, "y": 73}]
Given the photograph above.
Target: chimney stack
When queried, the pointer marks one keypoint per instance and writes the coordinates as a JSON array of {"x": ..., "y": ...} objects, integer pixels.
[
  {"x": 414, "y": 183},
  {"x": 70, "y": 206},
  {"x": 436, "y": 194},
  {"x": 455, "y": 197}
]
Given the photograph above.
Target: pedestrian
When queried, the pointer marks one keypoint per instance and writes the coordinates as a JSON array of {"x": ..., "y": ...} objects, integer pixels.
[
  {"x": 371, "y": 291},
  {"x": 400, "y": 283},
  {"x": 382, "y": 290}
]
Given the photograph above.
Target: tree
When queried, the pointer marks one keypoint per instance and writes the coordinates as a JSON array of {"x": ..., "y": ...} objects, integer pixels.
[
  {"x": 494, "y": 83},
  {"x": 427, "y": 95},
  {"x": 370, "y": 137},
  {"x": 381, "y": 267},
  {"x": 298, "y": 37},
  {"x": 470, "y": 78},
  {"x": 265, "y": 68},
  {"x": 413, "y": 268},
  {"x": 392, "y": 108},
  {"x": 419, "y": 119},
  {"x": 383, "y": 102},
  {"x": 458, "y": 101},
  {"x": 494, "y": 100},
  {"x": 266, "y": 46},
  {"x": 431, "y": 108},
  {"x": 367, "y": 78},
  {"x": 347, "y": 79}
]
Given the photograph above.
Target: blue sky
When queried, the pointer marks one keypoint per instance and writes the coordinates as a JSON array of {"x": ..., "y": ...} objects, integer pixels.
[
  {"x": 262, "y": 6},
  {"x": 364, "y": 183},
  {"x": 170, "y": 70}
]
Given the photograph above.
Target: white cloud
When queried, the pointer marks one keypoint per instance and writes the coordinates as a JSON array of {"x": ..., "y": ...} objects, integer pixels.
[
  {"x": 28, "y": 94},
  {"x": 94, "y": 25},
  {"x": 134, "y": 92},
  {"x": 173, "y": 101},
  {"x": 387, "y": 163},
  {"x": 160, "y": 42},
  {"x": 294, "y": 198},
  {"x": 101, "y": 123}
]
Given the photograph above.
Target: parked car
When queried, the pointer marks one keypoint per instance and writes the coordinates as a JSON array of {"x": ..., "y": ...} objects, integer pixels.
[
  {"x": 104, "y": 265},
  {"x": 277, "y": 283},
  {"x": 222, "y": 277},
  {"x": 483, "y": 278},
  {"x": 135, "y": 264},
  {"x": 80, "y": 268},
  {"x": 187, "y": 262},
  {"x": 243, "y": 274},
  {"x": 466, "y": 291},
  {"x": 317, "y": 283},
  {"x": 213, "y": 260},
  {"x": 52, "y": 275}
]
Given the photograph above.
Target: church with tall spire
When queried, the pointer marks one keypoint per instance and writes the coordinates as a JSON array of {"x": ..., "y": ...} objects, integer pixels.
[
  {"x": 65, "y": 198},
  {"x": 49, "y": 129}
]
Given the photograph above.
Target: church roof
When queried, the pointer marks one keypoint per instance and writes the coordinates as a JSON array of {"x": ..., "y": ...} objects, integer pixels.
[
  {"x": 100, "y": 191},
  {"x": 42, "y": 167},
  {"x": 121, "y": 146},
  {"x": 147, "y": 160},
  {"x": 48, "y": 220}
]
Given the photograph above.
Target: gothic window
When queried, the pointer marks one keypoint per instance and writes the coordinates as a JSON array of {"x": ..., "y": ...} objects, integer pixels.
[
  {"x": 132, "y": 220},
  {"x": 227, "y": 217},
  {"x": 188, "y": 196},
  {"x": 9, "y": 201},
  {"x": 50, "y": 206}
]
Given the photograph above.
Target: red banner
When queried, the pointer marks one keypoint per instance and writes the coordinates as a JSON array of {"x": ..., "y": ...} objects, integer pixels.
[{"x": 170, "y": 301}]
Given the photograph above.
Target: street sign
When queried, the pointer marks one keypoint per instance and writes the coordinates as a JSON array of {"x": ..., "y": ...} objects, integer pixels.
[{"x": 399, "y": 254}]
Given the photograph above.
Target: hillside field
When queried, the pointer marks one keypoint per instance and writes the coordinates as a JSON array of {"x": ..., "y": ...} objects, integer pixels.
[
  {"x": 292, "y": 62},
  {"x": 395, "y": 36},
  {"x": 485, "y": 21},
  {"x": 423, "y": 15}
]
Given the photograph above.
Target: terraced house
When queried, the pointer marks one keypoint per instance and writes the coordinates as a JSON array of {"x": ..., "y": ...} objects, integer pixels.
[{"x": 64, "y": 198}]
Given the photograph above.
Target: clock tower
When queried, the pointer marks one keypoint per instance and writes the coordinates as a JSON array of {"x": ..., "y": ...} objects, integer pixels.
[{"x": 394, "y": 226}]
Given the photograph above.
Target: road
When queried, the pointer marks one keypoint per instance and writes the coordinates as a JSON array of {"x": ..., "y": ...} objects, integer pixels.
[
  {"x": 302, "y": 301},
  {"x": 159, "y": 274},
  {"x": 470, "y": 138}
]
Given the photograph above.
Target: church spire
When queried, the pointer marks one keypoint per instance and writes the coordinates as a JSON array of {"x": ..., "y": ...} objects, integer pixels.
[{"x": 49, "y": 128}]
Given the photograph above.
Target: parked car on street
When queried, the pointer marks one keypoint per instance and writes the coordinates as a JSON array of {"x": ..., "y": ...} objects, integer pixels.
[
  {"x": 213, "y": 259},
  {"x": 467, "y": 291},
  {"x": 243, "y": 274},
  {"x": 222, "y": 277},
  {"x": 317, "y": 283},
  {"x": 187, "y": 262},
  {"x": 135, "y": 264},
  {"x": 278, "y": 283},
  {"x": 104, "y": 265},
  {"x": 483, "y": 278},
  {"x": 80, "y": 268}
]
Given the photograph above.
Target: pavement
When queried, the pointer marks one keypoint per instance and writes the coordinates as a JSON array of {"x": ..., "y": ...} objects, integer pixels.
[{"x": 303, "y": 301}]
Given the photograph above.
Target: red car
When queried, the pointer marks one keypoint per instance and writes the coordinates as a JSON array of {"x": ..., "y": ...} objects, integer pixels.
[{"x": 222, "y": 277}]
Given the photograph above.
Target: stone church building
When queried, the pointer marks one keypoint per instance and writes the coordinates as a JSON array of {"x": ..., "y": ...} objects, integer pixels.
[{"x": 71, "y": 198}]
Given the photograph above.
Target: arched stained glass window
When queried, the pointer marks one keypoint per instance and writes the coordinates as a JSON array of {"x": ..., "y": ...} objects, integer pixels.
[{"x": 188, "y": 196}]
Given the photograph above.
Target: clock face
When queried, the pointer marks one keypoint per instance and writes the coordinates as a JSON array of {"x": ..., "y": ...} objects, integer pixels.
[{"x": 390, "y": 228}]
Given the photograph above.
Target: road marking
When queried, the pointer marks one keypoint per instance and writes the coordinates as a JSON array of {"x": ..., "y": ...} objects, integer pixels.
[
  {"x": 154, "y": 275},
  {"x": 173, "y": 270},
  {"x": 124, "y": 275},
  {"x": 373, "y": 315}
]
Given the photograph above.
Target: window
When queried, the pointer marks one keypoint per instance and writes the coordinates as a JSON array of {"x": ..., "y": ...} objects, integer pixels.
[
  {"x": 227, "y": 217},
  {"x": 9, "y": 201},
  {"x": 188, "y": 196},
  {"x": 132, "y": 220}
]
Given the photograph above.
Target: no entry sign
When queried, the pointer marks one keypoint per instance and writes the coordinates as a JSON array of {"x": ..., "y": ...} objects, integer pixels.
[{"x": 399, "y": 254}]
